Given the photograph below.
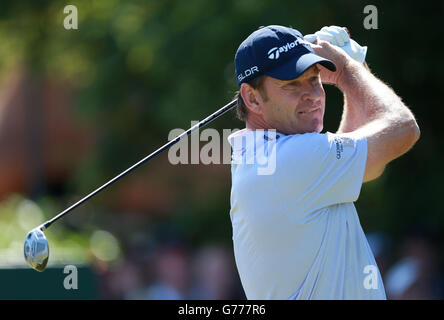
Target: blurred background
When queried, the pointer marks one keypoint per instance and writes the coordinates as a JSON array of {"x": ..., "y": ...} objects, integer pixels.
[{"x": 77, "y": 107}]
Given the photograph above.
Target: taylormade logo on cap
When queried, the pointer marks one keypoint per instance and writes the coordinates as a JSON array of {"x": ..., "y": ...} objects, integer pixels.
[{"x": 274, "y": 53}]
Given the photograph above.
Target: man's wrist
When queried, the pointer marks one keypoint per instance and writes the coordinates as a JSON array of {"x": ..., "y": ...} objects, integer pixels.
[{"x": 348, "y": 74}]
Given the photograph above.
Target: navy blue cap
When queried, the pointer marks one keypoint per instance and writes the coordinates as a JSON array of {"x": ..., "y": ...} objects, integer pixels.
[{"x": 277, "y": 51}]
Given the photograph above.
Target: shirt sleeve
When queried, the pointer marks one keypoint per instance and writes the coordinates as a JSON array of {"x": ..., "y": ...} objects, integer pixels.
[{"x": 317, "y": 170}]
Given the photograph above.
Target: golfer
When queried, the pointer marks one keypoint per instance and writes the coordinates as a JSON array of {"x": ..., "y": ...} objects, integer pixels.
[{"x": 296, "y": 232}]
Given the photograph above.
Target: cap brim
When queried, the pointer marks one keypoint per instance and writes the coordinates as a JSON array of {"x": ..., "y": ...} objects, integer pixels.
[{"x": 293, "y": 68}]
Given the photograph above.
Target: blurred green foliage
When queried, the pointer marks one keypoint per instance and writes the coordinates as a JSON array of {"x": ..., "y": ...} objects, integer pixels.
[
  {"x": 67, "y": 244},
  {"x": 141, "y": 68},
  {"x": 18, "y": 216}
]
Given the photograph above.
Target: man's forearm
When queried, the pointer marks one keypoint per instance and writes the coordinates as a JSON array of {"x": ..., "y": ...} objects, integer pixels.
[
  {"x": 352, "y": 115},
  {"x": 366, "y": 99}
]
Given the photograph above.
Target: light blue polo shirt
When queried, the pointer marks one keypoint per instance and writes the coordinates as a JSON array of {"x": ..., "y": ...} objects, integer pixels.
[{"x": 296, "y": 232}]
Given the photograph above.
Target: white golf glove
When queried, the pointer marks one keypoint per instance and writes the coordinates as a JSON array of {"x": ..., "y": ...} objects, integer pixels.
[{"x": 339, "y": 37}]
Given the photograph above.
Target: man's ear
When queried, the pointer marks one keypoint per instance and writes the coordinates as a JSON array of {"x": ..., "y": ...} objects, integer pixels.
[{"x": 252, "y": 98}]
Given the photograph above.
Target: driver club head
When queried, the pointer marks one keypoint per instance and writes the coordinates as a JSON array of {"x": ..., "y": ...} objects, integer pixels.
[{"x": 36, "y": 249}]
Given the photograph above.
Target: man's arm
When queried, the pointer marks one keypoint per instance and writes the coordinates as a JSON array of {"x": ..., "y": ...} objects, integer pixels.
[
  {"x": 352, "y": 116},
  {"x": 372, "y": 110}
]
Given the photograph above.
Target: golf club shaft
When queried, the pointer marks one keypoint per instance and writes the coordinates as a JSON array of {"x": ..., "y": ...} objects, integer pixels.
[{"x": 201, "y": 124}]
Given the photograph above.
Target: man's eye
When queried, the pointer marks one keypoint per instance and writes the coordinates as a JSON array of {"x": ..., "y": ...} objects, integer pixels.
[{"x": 291, "y": 85}]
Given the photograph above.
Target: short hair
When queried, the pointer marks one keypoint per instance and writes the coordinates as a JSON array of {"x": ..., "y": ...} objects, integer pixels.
[{"x": 241, "y": 110}]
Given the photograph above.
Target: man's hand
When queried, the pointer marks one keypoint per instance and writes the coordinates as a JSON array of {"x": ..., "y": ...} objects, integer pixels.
[
  {"x": 333, "y": 53},
  {"x": 339, "y": 37}
]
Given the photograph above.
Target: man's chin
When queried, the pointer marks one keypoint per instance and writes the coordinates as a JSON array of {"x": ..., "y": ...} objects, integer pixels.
[
  {"x": 319, "y": 126},
  {"x": 317, "y": 129}
]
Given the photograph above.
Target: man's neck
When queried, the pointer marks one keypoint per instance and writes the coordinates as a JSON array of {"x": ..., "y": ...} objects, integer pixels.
[{"x": 254, "y": 122}]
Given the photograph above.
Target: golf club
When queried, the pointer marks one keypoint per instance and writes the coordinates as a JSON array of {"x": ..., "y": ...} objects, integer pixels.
[{"x": 36, "y": 248}]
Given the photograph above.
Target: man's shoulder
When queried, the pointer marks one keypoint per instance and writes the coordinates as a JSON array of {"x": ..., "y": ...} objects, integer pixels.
[
  {"x": 313, "y": 139},
  {"x": 303, "y": 141}
]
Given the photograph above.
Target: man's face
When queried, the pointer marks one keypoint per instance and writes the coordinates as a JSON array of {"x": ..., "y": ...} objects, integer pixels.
[{"x": 295, "y": 106}]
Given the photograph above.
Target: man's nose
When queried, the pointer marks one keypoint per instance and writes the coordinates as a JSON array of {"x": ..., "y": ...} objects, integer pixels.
[{"x": 312, "y": 92}]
